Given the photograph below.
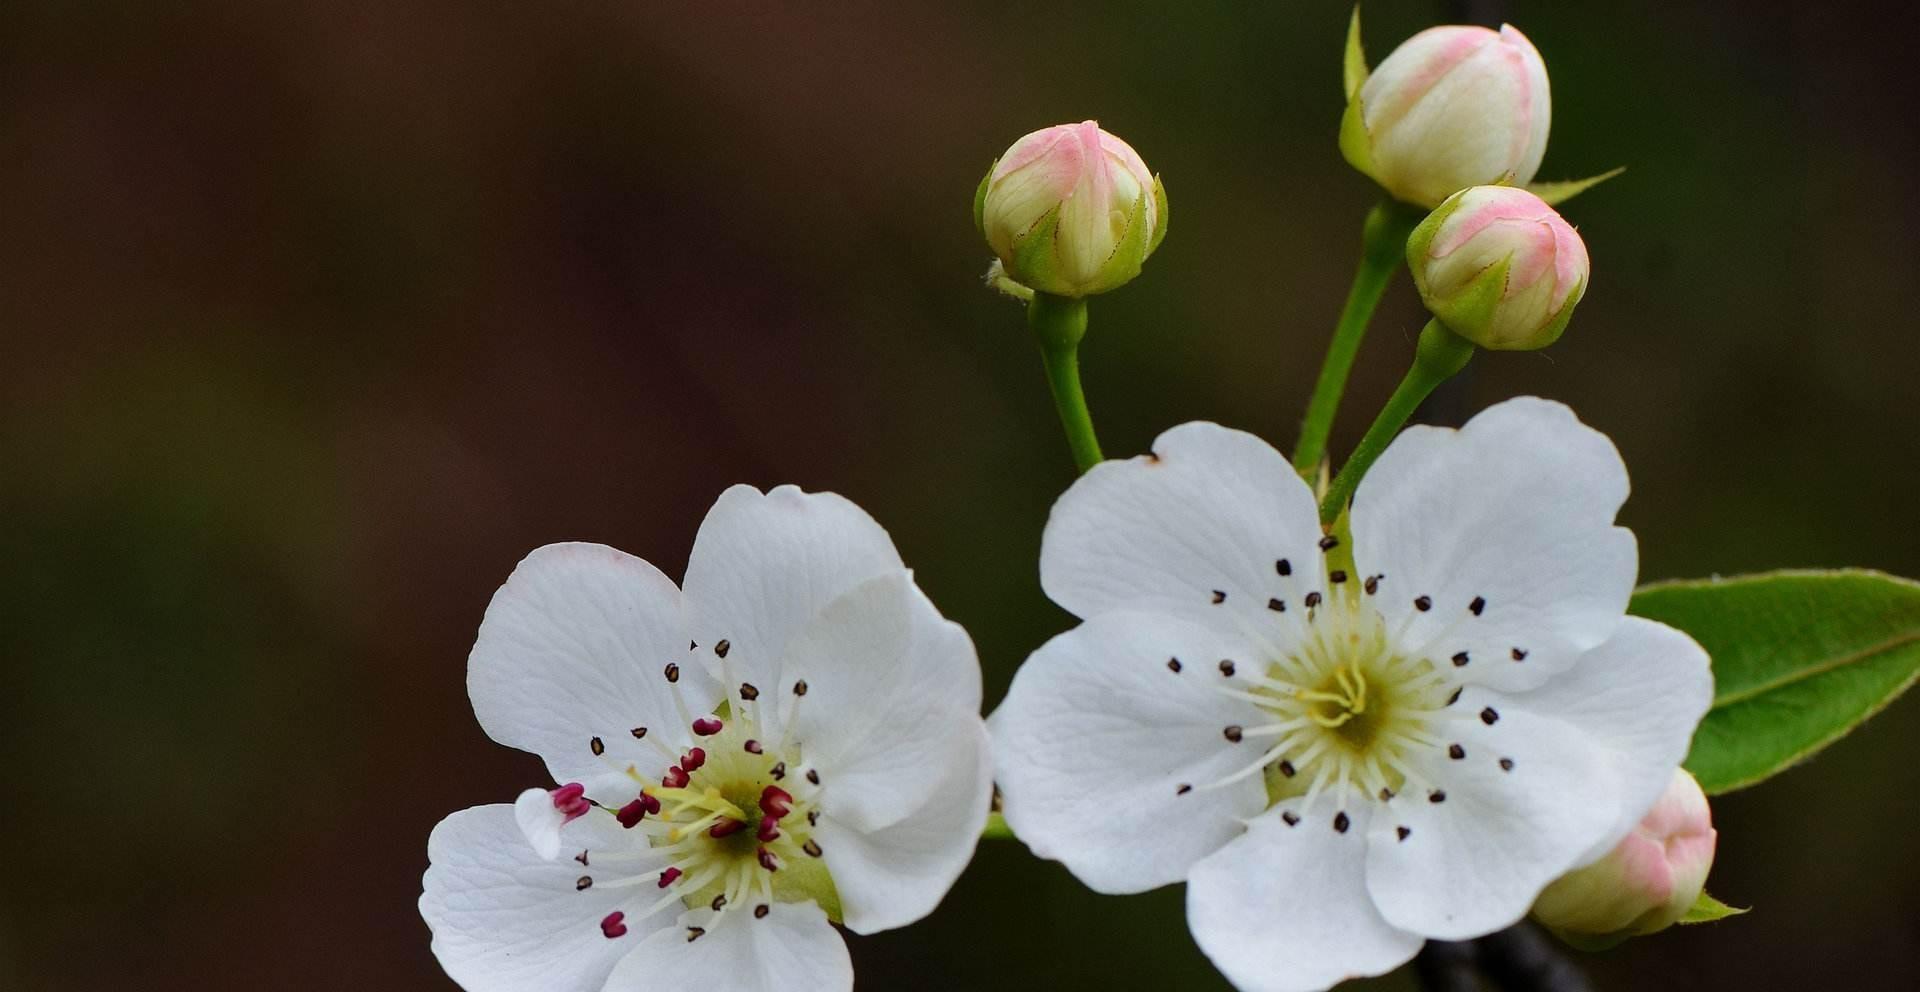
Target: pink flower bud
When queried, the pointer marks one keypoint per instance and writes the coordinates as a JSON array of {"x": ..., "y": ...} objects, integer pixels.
[
  {"x": 1452, "y": 107},
  {"x": 1645, "y": 884},
  {"x": 1499, "y": 267},
  {"x": 1071, "y": 210}
]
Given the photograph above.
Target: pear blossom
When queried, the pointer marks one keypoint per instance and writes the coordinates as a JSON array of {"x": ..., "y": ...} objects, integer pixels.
[
  {"x": 1499, "y": 267},
  {"x": 1648, "y": 882},
  {"x": 1345, "y": 750},
  {"x": 792, "y": 741},
  {"x": 1071, "y": 210},
  {"x": 1452, "y": 107}
]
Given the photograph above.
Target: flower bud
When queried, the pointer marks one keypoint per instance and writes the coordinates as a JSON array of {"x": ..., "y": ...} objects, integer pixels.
[
  {"x": 1499, "y": 267},
  {"x": 1071, "y": 210},
  {"x": 1645, "y": 884},
  {"x": 1452, "y": 107}
]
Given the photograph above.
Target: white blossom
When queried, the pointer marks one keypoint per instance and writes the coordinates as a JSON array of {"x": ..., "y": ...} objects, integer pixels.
[
  {"x": 1344, "y": 760},
  {"x": 791, "y": 742}
]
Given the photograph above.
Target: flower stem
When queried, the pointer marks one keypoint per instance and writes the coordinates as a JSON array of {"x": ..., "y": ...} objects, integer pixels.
[
  {"x": 1058, "y": 324},
  {"x": 1383, "y": 247},
  {"x": 1439, "y": 355}
]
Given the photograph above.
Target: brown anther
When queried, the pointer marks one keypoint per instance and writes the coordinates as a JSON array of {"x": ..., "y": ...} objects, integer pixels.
[
  {"x": 597, "y": 746},
  {"x": 722, "y": 646}
]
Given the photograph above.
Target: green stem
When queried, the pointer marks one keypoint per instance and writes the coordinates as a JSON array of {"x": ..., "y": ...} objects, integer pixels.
[
  {"x": 1383, "y": 247},
  {"x": 1058, "y": 324},
  {"x": 1439, "y": 355}
]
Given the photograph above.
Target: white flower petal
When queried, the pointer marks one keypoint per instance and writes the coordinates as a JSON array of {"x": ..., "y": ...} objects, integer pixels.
[
  {"x": 892, "y": 877},
  {"x": 1285, "y": 907},
  {"x": 1638, "y": 698},
  {"x": 1510, "y": 516},
  {"x": 572, "y": 650},
  {"x": 1098, "y": 734},
  {"x": 540, "y": 821},
  {"x": 1521, "y": 803},
  {"x": 792, "y": 949},
  {"x": 764, "y": 564},
  {"x": 1210, "y": 515},
  {"x": 889, "y": 685},
  {"x": 506, "y": 920}
]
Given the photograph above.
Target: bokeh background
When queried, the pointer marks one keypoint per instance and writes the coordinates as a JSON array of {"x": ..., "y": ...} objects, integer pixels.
[{"x": 316, "y": 316}]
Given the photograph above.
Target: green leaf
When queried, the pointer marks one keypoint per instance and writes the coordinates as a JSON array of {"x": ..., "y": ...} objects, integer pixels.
[
  {"x": 1707, "y": 909},
  {"x": 1799, "y": 659},
  {"x": 1353, "y": 67},
  {"x": 1566, "y": 189}
]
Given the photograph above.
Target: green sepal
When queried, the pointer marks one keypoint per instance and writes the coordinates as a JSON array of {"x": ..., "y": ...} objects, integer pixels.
[
  {"x": 1356, "y": 145},
  {"x": 980, "y": 200},
  {"x": 1160, "y": 216},
  {"x": 1558, "y": 325},
  {"x": 1129, "y": 254},
  {"x": 1707, "y": 909},
  {"x": 996, "y": 828},
  {"x": 1800, "y": 658},
  {"x": 1470, "y": 312},
  {"x": 1559, "y": 192},
  {"x": 1035, "y": 263},
  {"x": 1353, "y": 65}
]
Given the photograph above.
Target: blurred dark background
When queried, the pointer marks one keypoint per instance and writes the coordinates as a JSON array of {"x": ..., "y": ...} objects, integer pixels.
[{"x": 316, "y": 317}]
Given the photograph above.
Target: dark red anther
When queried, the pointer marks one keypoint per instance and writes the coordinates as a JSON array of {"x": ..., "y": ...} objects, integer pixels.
[
  {"x": 707, "y": 726},
  {"x": 693, "y": 759},
  {"x": 648, "y": 803},
  {"x": 775, "y": 802},
  {"x": 614, "y": 925},
  {"x": 571, "y": 799},
  {"x": 675, "y": 778},
  {"x": 669, "y": 876},
  {"x": 753, "y": 747},
  {"x": 768, "y": 861},
  {"x": 769, "y": 830},
  {"x": 632, "y": 813},
  {"x": 727, "y": 827}
]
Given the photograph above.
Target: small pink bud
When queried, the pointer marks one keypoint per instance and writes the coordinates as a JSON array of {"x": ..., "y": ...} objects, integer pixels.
[
  {"x": 1071, "y": 210},
  {"x": 1499, "y": 267},
  {"x": 1647, "y": 882},
  {"x": 1452, "y": 107}
]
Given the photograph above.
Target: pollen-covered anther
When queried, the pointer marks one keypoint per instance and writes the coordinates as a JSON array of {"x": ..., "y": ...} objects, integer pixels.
[
  {"x": 775, "y": 802},
  {"x": 632, "y": 813},
  {"x": 571, "y": 800}
]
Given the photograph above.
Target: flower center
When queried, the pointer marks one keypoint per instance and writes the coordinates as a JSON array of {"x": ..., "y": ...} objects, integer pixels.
[
  {"x": 732, "y": 815},
  {"x": 1346, "y": 711}
]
